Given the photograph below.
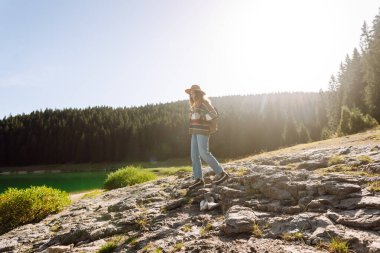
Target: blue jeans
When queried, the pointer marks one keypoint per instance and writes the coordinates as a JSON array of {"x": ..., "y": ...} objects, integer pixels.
[{"x": 199, "y": 149}]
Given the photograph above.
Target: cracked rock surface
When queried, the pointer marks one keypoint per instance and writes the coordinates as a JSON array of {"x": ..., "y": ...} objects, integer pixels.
[{"x": 289, "y": 202}]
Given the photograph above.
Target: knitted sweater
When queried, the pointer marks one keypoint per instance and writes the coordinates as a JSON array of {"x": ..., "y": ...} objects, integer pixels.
[{"x": 200, "y": 118}]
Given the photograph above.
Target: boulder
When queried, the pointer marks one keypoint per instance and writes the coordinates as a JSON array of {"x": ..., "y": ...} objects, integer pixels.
[{"x": 239, "y": 219}]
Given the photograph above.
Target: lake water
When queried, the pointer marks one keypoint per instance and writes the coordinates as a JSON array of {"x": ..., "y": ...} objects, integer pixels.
[{"x": 67, "y": 181}]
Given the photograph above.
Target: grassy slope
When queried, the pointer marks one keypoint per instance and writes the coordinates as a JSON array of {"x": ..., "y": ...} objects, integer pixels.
[{"x": 371, "y": 137}]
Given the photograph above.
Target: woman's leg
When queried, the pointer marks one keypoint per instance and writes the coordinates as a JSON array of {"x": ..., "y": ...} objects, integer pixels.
[
  {"x": 204, "y": 152},
  {"x": 195, "y": 158}
]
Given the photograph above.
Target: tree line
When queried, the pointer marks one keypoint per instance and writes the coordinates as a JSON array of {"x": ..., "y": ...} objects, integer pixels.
[
  {"x": 354, "y": 92},
  {"x": 248, "y": 124}
]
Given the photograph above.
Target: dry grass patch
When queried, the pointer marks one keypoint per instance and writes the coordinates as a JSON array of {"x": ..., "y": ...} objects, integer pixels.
[
  {"x": 92, "y": 194},
  {"x": 186, "y": 228},
  {"x": 238, "y": 171},
  {"x": 374, "y": 186},
  {"x": 208, "y": 227},
  {"x": 335, "y": 159},
  {"x": 365, "y": 159}
]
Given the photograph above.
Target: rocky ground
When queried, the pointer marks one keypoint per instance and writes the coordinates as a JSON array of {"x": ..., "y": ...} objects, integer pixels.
[{"x": 297, "y": 200}]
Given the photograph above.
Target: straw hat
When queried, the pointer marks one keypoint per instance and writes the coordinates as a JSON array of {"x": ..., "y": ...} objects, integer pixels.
[{"x": 195, "y": 87}]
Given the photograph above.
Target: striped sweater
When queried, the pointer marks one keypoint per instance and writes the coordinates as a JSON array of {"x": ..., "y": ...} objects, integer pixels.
[{"x": 200, "y": 118}]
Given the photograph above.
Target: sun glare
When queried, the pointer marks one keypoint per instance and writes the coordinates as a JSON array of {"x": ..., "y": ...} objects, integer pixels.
[{"x": 269, "y": 46}]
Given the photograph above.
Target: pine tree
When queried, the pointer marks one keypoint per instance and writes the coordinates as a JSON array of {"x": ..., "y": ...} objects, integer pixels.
[{"x": 372, "y": 70}]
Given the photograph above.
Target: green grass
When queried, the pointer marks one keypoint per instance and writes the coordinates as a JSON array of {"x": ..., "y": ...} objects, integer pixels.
[
  {"x": 142, "y": 223},
  {"x": 256, "y": 230},
  {"x": 22, "y": 206},
  {"x": 344, "y": 169},
  {"x": 127, "y": 176},
  {"x": 107, "y": 248},
  {"x": 111, "y": 245},
  {"x": 131, "y": 241},
  {"x": 238, "y": 171},
  {"x": 297, "y": 236},
  {"x": 335, "y": 159},
  {"x": 186, "y": 228},
  {"x": 151, "y": 248},
  {"x": 92, "y": 194},
  {"x": 337, "y": 245},
  {"x": 66, "y": 181},
  {"x": 206, "y": 229},
  {"x": 169, "y": 171},
  {"x": 178, "y": 247}
]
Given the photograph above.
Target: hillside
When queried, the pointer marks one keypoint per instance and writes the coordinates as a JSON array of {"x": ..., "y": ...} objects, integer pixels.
[
  {"x": 158, "y": 132},
  {"x": 296, "y": 199}
]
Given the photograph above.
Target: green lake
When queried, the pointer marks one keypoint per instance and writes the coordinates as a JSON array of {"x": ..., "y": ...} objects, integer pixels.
[{"x": 67, "y": 181}]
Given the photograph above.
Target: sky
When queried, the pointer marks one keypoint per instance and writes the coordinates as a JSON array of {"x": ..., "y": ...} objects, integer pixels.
[{"x": 81, "y": 53}]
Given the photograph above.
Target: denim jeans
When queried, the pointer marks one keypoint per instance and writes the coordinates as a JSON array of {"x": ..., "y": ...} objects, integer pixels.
[{"x": 199, "y": 149}]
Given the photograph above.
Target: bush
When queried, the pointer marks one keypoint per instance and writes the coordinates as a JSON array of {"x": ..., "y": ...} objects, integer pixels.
[
  {"x": 22, "y": 206},
  {"x": 127, "y": 176},
  {"x": 353, "y": 121}
]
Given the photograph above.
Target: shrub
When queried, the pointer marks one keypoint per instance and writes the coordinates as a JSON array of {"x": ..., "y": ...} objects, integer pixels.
[
  {"x": 353, "y": 121},
  {"x": 22, "y": 206},
  {"x": 127, "y": 176}
]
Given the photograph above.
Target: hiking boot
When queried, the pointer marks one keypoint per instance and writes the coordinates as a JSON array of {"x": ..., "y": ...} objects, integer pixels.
[
  {"x": 221, "y": 177},
  {"x": 197, "y": 183}
]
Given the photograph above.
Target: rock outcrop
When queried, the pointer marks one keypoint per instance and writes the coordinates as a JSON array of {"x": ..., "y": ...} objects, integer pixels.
[{"x": 284, "y": 203}]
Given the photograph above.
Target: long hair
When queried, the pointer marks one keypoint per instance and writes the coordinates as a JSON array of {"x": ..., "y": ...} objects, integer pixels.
[{"x": 198, "y": 99}]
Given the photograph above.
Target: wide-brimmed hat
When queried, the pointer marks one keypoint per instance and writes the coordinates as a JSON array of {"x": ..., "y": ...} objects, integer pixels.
[{"x": 195, "y": 87}]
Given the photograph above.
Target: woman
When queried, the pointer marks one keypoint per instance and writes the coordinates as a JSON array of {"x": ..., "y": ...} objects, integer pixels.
[{"x": 201, "y": 115}]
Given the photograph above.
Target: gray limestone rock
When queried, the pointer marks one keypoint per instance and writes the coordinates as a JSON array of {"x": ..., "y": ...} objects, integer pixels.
[
  {"x": 361, "y": 218},
  {"x": 239, "y": 220}
]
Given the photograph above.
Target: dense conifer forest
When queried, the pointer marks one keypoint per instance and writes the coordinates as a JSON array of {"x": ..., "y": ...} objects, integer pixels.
[{"x": 247, "y": 125}]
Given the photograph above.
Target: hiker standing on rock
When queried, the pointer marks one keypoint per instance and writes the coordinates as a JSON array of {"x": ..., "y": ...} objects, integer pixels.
[{"x": 202, "y": 116}]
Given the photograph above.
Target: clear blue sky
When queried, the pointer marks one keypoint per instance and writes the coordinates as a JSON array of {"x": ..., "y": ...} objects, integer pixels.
[{"x": 79, "y": 53}]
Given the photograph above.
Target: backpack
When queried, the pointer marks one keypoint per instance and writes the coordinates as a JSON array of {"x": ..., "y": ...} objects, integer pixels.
[{"x": 214, "y": 123}]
